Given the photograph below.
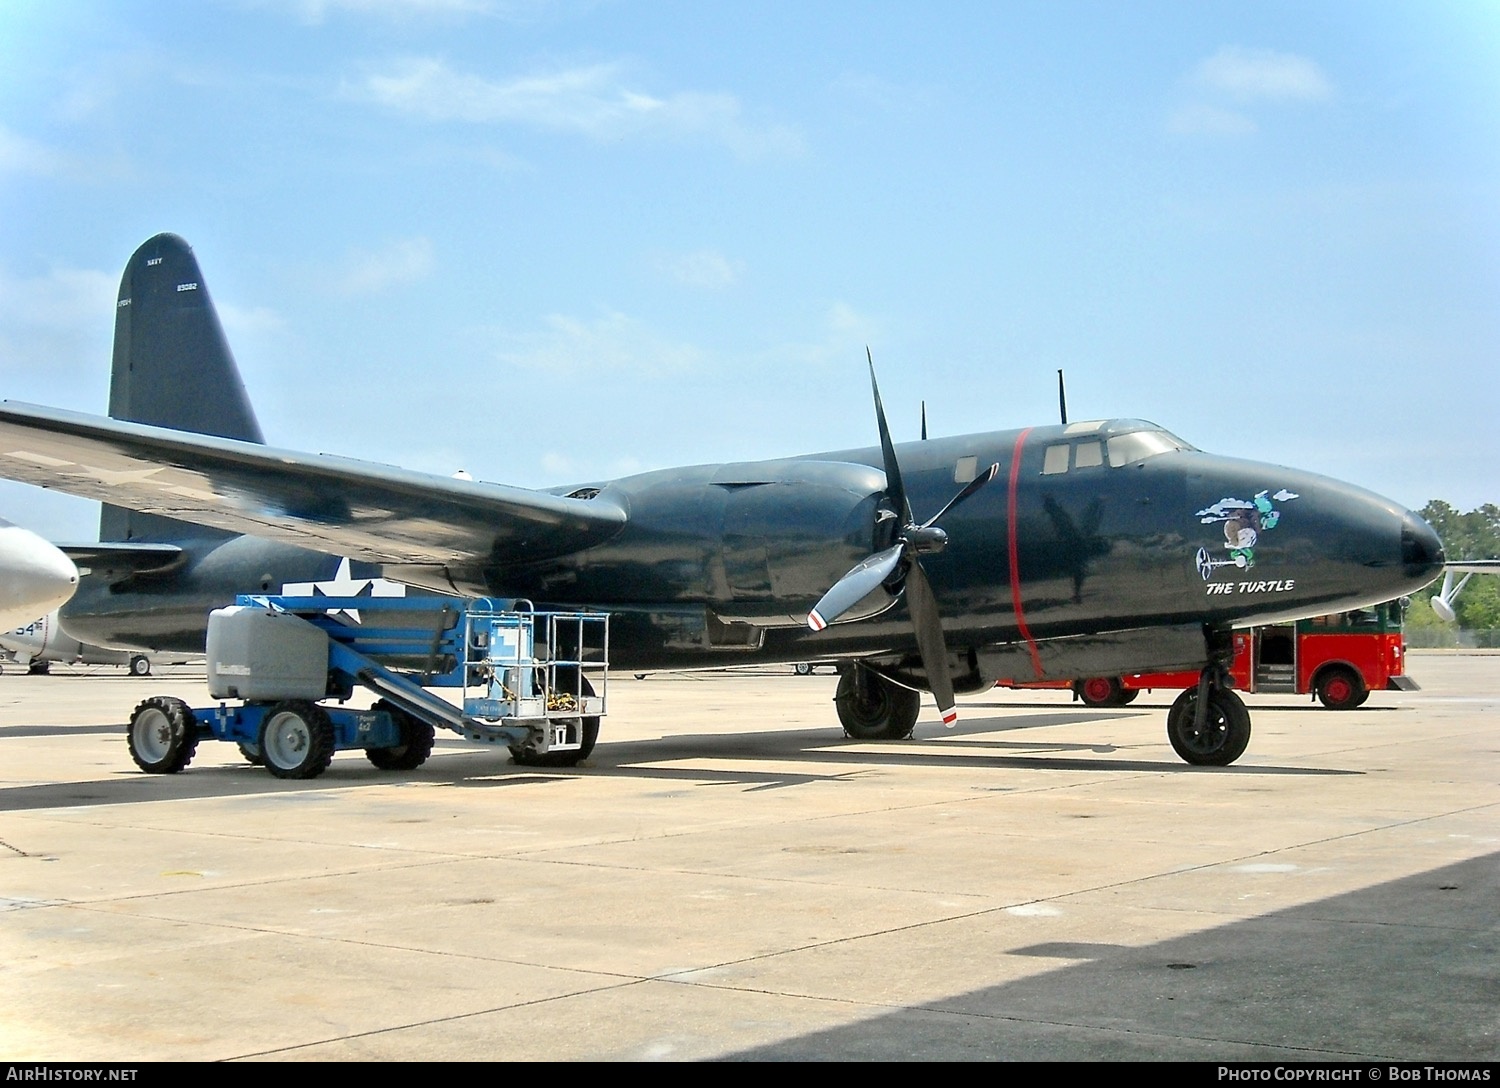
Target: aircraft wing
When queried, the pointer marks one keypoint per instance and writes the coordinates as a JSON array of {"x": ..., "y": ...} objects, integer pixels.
[
  {"x": 1474, "y": 566},
  {"x": 333, "y": 504}
]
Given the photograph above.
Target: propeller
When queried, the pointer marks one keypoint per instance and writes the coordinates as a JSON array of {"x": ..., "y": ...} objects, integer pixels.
[{"x": 901, "y": 564}]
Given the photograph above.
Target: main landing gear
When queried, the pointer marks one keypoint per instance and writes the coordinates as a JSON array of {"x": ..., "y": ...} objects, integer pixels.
[{"x": 872, "y": 708}]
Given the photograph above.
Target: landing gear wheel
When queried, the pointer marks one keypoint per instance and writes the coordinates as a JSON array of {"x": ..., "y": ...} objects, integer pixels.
[
  {"x": 140, "y": 665},
  {"x": 875, "y": 709},
  {"x": 163, "y": 735},
  {"x": 296, "y": 740},
  {"x": 1102, "y": 691},
  {"x": 251, "y": 751},
  {"x": 1340, "y": 689},
  {"x": 1225, "y": 733},
  {"x": 588, "y": 734},
  {"x": 802, "y": 668},
  {"x": 415, "y": 746}
]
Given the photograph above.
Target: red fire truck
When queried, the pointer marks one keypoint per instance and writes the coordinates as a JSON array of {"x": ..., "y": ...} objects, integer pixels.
[{"x": 1339, "y": 658}]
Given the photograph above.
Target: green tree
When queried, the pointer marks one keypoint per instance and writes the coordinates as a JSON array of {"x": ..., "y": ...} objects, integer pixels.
[{"x": 1472, "y": 535}]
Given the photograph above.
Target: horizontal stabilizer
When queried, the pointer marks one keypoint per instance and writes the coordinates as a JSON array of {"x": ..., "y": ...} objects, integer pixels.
[{"x": 355, "y": 508}]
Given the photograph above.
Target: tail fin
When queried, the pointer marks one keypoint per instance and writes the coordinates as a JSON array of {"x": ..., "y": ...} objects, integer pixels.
[{"x": 172, "y": 368}]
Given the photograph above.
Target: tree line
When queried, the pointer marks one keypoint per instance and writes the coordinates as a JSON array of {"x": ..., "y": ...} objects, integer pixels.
[{"x": 1472, "y": 535}]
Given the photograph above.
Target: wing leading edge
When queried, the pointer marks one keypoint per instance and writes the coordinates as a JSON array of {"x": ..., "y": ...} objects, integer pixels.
[{"x": 356, "y": 508}]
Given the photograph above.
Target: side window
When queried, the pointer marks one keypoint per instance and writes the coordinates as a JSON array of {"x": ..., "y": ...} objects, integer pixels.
[
  {"x": 1055, "y": 460},
  {"x": 965, "y": 469},
  {"x": 1088, "y": 455}
]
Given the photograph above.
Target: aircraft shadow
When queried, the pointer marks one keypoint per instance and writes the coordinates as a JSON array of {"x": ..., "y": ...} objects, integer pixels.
[
  {"x": 824, "y": 755},
  {"x": 1400, "y": 971}
]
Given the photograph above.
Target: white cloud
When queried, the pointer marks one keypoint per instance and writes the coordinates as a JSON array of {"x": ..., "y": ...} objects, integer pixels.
[
  {"x": 19, "y": 155},
  {"x": 1199, "y": 119},
  {"x": 370, "y": 272},
  {"x": 593, "y": 100},
  {"x": 1260, "y": 74},
  {"x": 703, "y": 268},
  {"x": 242, "y": 321},
  {"x": 62, "y": 299},
  {"x": 316, "y": 12},
  {"x": 614, "y": 342}
]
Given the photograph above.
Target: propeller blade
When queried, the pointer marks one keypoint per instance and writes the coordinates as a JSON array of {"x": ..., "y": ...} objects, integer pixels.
[
  {"x": 853, "y": 587},
  {"x": 930, "y": 642},
  {"x": 969, "y": 488},
  {"x": 893, "y": 485}
]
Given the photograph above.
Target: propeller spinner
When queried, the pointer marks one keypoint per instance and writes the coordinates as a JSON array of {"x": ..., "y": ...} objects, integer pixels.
[{"x": 901, "y": 563}]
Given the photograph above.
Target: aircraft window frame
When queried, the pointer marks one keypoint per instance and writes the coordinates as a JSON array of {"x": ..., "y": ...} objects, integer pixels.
[{"x": 1134, "y": 447}]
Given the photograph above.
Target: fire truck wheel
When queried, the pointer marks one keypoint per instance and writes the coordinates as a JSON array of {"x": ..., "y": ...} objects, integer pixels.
[
  {"x": 1339, "y": 688},
  {"x": 415, "y": 746},
  {"x": 162, "y": 735},
  {"x": 1102, "y": 691},
  {"x": 1225, "y": 733},
  {"x": 882, "y": 711},
  {"x": 296, "y": 739},
  {"x": 588, "y": 730}
]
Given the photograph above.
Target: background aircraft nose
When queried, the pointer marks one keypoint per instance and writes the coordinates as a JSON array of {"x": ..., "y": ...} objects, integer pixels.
[
  {"x": 35, "y": 577},
  {"x": 1421, "y": 550}
]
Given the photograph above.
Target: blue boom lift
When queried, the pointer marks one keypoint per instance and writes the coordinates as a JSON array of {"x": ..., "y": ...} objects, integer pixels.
[{"x": 533, "y": 681}]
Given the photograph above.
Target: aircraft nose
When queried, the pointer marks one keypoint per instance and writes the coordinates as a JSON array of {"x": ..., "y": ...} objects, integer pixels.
[
  {"x": 35, "y": 577},
  {"x": 1421, "y": 550}
]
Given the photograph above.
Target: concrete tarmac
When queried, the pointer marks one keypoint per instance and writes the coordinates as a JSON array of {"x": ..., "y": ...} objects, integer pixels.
[{"x": 729, "y": 878}]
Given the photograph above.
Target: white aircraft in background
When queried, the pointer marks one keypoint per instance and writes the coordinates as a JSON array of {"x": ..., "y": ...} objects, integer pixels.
[
  {"x": 36, "y": 645},
  {"x": 35, "y": 577}
]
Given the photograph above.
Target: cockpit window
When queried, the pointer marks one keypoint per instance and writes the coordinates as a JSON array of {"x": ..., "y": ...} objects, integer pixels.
[
  {"x": 1088, "y": 455},
  {"x": 1127, "y": 449}
]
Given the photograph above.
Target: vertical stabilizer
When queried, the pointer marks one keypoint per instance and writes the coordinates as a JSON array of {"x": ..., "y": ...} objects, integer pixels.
[{"x": 172, "y": 368}]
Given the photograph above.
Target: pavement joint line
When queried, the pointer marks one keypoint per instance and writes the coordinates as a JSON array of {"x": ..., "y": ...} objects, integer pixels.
[
  {"x": 432, "y": 1021},
  {"x": 928, "y": 1009}
]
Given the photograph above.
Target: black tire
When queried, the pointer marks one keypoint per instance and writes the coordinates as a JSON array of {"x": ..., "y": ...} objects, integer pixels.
[
  {"x": 803, "y": 668},
  {"x": 39, "y": 668},
  {"x": 296, "y": 739},
  {"x": 140, "y": 665},
  {"x": 1225, "y": 733},
  {"x": 1340, "y": 688},
  {"x": 588, "y": 728},
  {"x": 416, "y": 741},
  {"x": 1129, "y": 695},
  {"x": 1101, "y": 691},
  {"x": 250, "y": 750},
  {"x": 162, "y": 735},
  {"x": 884, "y": 711}
]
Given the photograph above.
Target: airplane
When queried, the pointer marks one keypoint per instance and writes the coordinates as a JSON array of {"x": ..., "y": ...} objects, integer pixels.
[
  {"x": 37, "y": 645},
  {"x": 35, "y": 576},
  {"x": 1049, "y": 552}
]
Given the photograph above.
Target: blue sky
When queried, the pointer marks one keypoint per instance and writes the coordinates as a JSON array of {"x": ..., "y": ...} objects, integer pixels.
[{"x": 557, "y": 242}]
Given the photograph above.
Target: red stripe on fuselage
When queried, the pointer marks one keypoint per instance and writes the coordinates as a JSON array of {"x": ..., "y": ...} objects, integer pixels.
[{"x": 1015, "y": 562}]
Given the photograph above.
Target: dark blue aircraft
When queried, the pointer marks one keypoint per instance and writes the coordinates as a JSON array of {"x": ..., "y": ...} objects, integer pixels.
[{"x": 1056, "y": 552}]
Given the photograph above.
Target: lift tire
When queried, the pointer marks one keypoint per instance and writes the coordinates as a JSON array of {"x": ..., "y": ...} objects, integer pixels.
[
  {"x": 250, "y": 750},
  {"x": 1339, "y": 688},
  {"x": 525, "y": 756},
  {"x": 885, "y": 711},
  {"x": 416, "y": 741},
  {"x": 162, "y": 735},
  {"x": 1102, "y": 691},
  {"x": 1225, "y": 733},
  {"x": 140, "y": 665},
  {"x": 296, "y": 739}
]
